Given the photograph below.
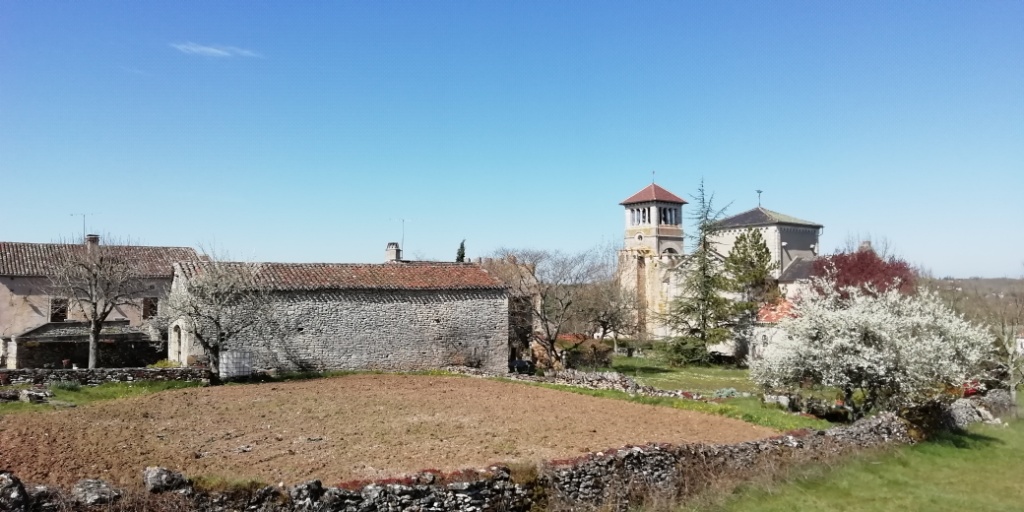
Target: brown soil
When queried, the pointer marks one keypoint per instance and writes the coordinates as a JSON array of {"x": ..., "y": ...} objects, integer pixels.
[{"x": 338, "y": 429}]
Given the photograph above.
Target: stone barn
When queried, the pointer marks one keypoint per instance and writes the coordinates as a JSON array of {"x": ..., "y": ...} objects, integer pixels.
[{"x": 397, "y": 315}]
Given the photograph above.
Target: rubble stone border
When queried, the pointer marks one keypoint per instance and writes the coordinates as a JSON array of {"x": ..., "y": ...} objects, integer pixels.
[
  {"x": 616, "y": 479},
  {"x": 95, "y": 376},
  {"x": 613, "y": 479}
]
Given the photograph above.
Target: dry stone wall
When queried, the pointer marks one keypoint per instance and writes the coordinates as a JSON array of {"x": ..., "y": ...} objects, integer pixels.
[
  {"x": 40, "y": 376},
  {"x": 615, "y": 480}
]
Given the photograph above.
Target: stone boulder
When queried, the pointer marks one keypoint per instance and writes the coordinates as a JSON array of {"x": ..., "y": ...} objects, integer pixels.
[
  {"x": 12, "y": 493},
  {"x": 305, "y": 495},
  {"x": 34, "y": 396},
  {"x": 94, "y": 492},
  {"x": 999, "y": 402},
  {"x": 961, "y": 414},
  {"x": 159, "y": 479}
]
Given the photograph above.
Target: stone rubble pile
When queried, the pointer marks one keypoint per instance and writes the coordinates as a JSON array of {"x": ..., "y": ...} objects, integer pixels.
[
  {"x": 614, "y": 478},
  {"x": 95, "y": 376},
  {"x": 496, "y": 492},
  {"x": 590, "y": 380},
  {"x": 985, "y": 408}
]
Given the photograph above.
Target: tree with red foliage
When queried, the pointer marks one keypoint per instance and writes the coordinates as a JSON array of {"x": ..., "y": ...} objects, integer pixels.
[{"x": 866, "y": 270}]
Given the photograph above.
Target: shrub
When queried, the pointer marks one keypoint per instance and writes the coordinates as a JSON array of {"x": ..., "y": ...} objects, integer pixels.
[
  {"x": 66, "y": 385},
  {"x": 164, "y": 363},
  {"x": 881, "y": 350},
  {"x": 589, "y": 354}
]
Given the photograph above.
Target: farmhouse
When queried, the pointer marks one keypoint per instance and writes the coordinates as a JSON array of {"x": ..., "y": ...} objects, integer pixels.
[
  {"x": 398, "y": 315},
  {"x": 41, "y": 328},
  {"x": 653, "y": 250}
]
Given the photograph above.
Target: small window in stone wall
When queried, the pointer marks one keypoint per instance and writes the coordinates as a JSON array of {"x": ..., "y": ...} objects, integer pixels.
[
  {"x": 58, "y": 310},
  {"x": 150, "y": 306}
]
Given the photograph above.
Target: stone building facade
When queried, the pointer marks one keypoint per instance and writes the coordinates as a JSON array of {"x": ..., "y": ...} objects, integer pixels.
[
  {"x": 39, "y": 328},
  {"x": 398, "y": 315},
  {"x": 789, "y": 239},
  {"x": 652, "y": 256},
  {"x": 652, "y": 251}
]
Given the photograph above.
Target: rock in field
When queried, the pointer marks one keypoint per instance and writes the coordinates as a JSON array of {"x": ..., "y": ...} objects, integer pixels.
[
  {"x": 961, "y": 414},
  {"x": 12, "y": 493},
  {"x": 94, "y": 492},
  {"x": 159, "y": 479}
]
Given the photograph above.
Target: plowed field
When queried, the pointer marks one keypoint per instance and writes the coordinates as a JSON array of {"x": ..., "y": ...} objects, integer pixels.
[{"x": 352, "y": 427}]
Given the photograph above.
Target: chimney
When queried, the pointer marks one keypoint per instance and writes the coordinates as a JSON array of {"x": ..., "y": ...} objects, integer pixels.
[
  {"x": 92, "y": 241},
  {"x": 393, "y": 253}
]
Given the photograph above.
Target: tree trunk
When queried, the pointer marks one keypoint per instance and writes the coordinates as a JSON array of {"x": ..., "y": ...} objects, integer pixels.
[
  {"x": 215, "y": 362},
  {"x": 94, "y": 337},
  {"x": 1013, "y": 398}
]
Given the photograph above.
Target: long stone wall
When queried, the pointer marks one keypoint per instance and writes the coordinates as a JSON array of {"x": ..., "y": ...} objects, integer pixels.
[
  {"x": 385, "y": 330},
  {"x": 616, "y": 480},
  {"x": 40, "y": 376}
]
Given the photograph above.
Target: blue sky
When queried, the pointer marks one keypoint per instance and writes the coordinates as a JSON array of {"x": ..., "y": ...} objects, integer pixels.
[{"x": 299, "y": 131}]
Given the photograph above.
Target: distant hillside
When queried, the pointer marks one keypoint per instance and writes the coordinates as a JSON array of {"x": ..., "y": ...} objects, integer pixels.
[
  {"x": 985, "y": 286},
  {"x": 982, "y": 300}
]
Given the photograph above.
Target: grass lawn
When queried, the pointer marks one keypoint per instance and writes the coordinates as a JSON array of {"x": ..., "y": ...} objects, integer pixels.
[
  {"x": 87, "y": 394},
  {"x": 654, "y": 372},
  {"x": 748, "y": 409},
  {"x": 980, "y": 471},
  {"x": 705, "y": 380}
]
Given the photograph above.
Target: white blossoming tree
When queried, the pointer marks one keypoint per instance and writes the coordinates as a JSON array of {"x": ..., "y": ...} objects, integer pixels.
[{"x": 882, "y": 351}]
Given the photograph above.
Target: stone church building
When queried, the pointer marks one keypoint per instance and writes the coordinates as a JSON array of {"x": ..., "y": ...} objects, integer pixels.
[{"x": 653, "y": 250}]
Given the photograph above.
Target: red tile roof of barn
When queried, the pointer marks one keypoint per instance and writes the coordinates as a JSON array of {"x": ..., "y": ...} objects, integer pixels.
[
  {"x": 358, "y": 276},
  {"x": 774, "y": 313},
  {"x": 30, "y": 259},
  {"x": 653, "y": 192}
]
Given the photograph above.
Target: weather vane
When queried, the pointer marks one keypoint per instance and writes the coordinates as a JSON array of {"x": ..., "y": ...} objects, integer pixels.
[{"x": 758, "y": 197}]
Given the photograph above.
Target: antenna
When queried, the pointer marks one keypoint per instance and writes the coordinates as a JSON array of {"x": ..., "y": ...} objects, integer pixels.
[
  {"x": 758, "y": 197},
  {"x": 83, "y": 215},
  {"x": 402, "y": 243}
]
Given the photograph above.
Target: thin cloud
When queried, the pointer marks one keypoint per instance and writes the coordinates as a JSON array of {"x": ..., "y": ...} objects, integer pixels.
[{"x": 213, "y": 51}]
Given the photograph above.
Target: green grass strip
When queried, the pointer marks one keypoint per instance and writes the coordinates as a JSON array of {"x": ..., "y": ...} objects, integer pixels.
[{"x": 748, "y": 409}]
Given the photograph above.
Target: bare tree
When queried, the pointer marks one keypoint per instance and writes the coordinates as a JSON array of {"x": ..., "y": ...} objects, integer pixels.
[
  {"x": 218, "y": 301},
  {"x": 997, "y": 304},
  {"x": 854, "y": 242},
  {"x": 557, "y": 282},
  {"x": 608, "y": 308},
  {"x": 95, "y": 280},
  {"x": 1007, "y": 320}
]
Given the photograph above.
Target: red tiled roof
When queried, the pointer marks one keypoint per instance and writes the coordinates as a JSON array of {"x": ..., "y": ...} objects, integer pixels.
[
  {"x": 350, "y": 276},
  {"x": 774, "y": 313},
  {"x": 29, "y": 259},
  {"x": 653, "y": 192}
]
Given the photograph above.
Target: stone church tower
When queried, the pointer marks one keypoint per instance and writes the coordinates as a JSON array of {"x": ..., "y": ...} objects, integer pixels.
[{"x": 653, "y": 246}]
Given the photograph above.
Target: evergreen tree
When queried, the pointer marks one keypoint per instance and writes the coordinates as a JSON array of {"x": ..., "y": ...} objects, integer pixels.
[
  {"x": 460, "y": 256},
  {"x": 702, "y": 314},
  {"x": 750, "y": 267}
]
